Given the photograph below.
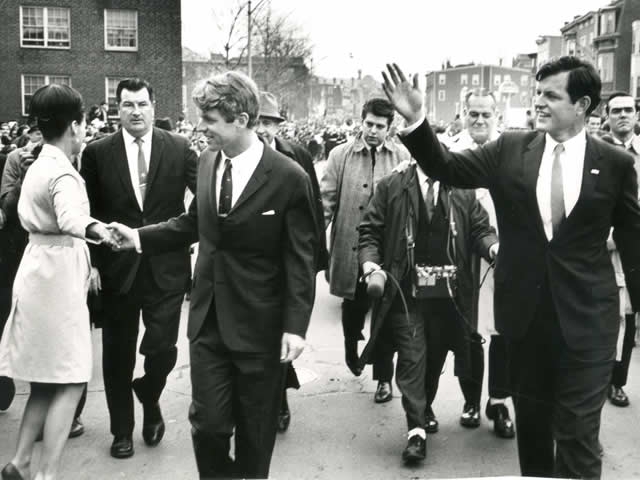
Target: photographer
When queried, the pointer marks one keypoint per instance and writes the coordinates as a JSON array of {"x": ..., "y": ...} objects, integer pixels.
[{"x": 413, "y": 221}]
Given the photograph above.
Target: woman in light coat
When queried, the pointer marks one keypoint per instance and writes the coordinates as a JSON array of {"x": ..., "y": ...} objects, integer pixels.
[{"x": 47, "y": 340}]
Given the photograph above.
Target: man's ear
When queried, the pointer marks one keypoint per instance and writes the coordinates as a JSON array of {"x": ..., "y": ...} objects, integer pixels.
[
  {"x": 242, "y": 120},
  {"x": 583, "y": 104}
]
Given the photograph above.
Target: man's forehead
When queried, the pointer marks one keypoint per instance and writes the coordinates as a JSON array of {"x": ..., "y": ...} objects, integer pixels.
[
  {"x": 481, "y": 103},
  {"x": 622, "y": 101},
  {"x": 142, "y": 94},
  {"x": 370, "y": 117}
]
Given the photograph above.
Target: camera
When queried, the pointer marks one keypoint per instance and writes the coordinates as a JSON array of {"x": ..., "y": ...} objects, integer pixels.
[{"x": 434, "y": 281}]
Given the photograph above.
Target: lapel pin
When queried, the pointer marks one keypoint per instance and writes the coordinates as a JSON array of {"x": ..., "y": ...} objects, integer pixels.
[{"x": 595, "y": 171}]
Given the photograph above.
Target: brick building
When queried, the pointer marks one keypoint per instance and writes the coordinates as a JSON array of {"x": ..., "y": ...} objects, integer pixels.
[
  {"x": 605, "y": 38},
  {"x": 90, "y": 44},
  {"x": 549, "y": 46},
  {"x": 446, "y": 89}
]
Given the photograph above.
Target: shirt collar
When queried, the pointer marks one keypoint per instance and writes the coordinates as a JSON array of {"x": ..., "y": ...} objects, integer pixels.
[
  {"x": 254, "y": 151},
  {"x": 360, "y": 144},
  {"x": 626, "y": 144},
  {"x": 423, "y": 177},
  {"x": 575, "y": 142},
  {"x": 128, "y": 138}
]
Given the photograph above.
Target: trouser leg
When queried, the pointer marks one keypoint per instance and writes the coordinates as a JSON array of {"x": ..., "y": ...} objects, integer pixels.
[
  {"x": 621, "y": 367},
  {"x": 498, "y": 368}
]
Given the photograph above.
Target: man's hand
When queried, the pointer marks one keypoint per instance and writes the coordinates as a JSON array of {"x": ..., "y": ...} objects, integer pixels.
[
  {"x": 99, "y": 232},
  {"x": 291, "y": 347},
  {"x": 493, "y": 251},
  {"x": 407, "y": 98},
  {"x": 403, "y": 166},
  {"x": 95, "y": 284},
  {"x": 124, "y": 236},
  {"x": 367, "y": 268}
]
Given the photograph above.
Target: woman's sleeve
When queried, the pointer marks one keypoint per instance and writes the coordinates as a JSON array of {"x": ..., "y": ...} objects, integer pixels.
[{"x": 71, "y": 205}]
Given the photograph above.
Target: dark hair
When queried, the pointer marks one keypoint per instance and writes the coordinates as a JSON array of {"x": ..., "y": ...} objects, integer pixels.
[
  {"x": 583, "y": 80},
  {"x": 54, "y": 107},
  {"x": 164, "y": 123},
  {"x": 619, "y": 93},
  {"x": 133, "y": 85},
  {"x": 380, "y": 107}
]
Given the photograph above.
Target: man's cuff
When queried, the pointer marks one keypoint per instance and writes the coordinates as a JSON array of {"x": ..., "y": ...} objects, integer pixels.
[
  {"x": 136, "y": 241},
  {"x": 410, "y": 128}
]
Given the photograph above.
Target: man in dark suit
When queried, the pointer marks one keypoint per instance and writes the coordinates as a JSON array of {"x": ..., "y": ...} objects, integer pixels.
[
  {"x": 253, "y": 286},
  {"x": 138, "y": 176},
  {"x": 269, "y": 120},
  {"x": 557, "y": 193}
]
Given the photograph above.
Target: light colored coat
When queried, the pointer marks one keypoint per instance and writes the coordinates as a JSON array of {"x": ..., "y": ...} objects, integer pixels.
[
  {"x": 47, "y": 337},
  {"x": 347, "y": 186}
]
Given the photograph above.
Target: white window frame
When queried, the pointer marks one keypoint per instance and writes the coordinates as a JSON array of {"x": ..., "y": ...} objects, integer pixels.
[
  {"x": 475, "y": 79},
  {"x": 106, "y": 36},
  {"x": 442, "y": 79},
  {"x": 45, "y": 26},
  {"x": 464, "y": 79},
  {"x": 497, "y": 79},
  {"x": 442, "y": 95},
  {"x": 47, "y": 81},
  {"x": 106, "y": 91}
]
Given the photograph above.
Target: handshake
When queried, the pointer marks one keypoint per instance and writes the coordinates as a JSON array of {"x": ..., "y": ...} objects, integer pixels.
[{"x": 114, "y": 235}]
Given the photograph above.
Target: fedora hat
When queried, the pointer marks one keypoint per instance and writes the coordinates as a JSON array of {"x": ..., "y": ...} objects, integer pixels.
[{"x": 269, "y": 107}]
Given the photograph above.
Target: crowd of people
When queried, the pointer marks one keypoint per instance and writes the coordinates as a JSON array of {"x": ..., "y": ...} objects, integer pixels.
[{"x": 452, "y": 237}]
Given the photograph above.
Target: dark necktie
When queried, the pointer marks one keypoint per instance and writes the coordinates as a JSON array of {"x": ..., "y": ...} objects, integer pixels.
[
  {"x": 557, "y": 190},
  {"x": 429, "y": 200},
  {"x": 226, "y": 190},
  {"x": 373, "y": 158},
  {"x": 142, "y": 169}
]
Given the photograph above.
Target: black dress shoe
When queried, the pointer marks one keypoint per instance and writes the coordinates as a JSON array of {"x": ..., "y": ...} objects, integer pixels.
[
  {"x": 152, "y": 424},
  {"x": 431, "y": 424},
  {"x": 122, "y": 446},
  {"x": 11, "y": 472},
  {"x": 351, "y": 357},
  {"x": 502, "y": 423},
  {"x": 617, "y": 396},
  {"x": 7, "y": 392},
  {"x": 77, "y": 428},
  {"x": 470, "y": 417},
  {"x": 384, "y": 392},
  {"x": 284, "y": 418},
  {"x": 415, "y": 451}
]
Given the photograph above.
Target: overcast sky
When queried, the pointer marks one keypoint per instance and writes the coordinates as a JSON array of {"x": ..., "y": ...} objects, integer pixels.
[{"x": 348, "y": 35}]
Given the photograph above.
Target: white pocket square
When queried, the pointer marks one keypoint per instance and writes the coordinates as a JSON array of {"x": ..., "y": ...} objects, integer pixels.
[
  {"x": 595, "y": 171},
  {"x": 269, "y": 212}
]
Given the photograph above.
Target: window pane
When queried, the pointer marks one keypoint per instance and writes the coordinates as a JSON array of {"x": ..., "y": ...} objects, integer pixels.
[
  {"x": 58, "y": 27},
  {"x": 60, "y": 79},
  {"x": 121, "y": 28},
  {"x": 33, "y": 26},
  {"x": 31, "y": 83}
]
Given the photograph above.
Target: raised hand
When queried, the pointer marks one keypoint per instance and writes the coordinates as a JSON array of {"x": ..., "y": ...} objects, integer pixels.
[
  {"x": 406, "y": 97},
  {"x": 124, "y": 236}
]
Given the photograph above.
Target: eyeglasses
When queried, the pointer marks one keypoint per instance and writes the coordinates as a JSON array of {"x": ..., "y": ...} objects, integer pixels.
[
  {"x": 618, "y": 111},
  {"x": 476, "y": 115}
]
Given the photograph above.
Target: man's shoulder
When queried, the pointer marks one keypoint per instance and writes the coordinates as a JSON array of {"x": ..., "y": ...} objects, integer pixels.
[{"x": 104, "y": 142}]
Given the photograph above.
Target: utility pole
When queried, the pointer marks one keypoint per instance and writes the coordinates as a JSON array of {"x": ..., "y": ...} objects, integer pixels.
[{"x": 249, "y": 66}]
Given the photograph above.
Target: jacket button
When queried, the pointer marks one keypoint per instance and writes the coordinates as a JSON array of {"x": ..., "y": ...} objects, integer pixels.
[
  {"x": 360, "y": 207},
  {"x": 365, "y": 185},
  {"x": 354, "y": 248}
]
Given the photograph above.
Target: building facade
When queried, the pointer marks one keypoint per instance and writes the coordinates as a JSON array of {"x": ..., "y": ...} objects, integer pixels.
[
  {"x": 446, "y": 90},
  {"x": 605, "y": 38},
  {"x": 90, "y": 45},
  {"x": 549, "y": 46}
]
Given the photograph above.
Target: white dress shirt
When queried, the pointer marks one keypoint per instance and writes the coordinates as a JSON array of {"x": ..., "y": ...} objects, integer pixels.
[
  {"x": 131, "y": 147},
  {"x": 242, "y": 167},
  {"x": 572, "y": 162},
  {"x": 424, "y": 186}
]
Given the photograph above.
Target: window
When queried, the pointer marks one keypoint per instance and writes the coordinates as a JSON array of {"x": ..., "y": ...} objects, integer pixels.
[
  {"x": 111, "y": 84},
  {"x": 607, "y": 23},
  {"x": 121, "y": 30},
  {"x": 475, "y": 79},
  {"x": 583, "y": 40},
  {"x": 571, "y": 47},
  {"x": 442, "y": 79},
  {"x": 45, "y": 27},
  {"x": 524, "y": 80},
  {"x": 497, "y": 80},
  {"x": 464, "y": 79},
  {"x": 441, "y": 96},
  {"x": 637, "y": 86},
  {"x": 31, "y": 83},
  {"x": 605, "y": 67},
  {"x": 591, "y": 38},
  {"x": 506, "y": 77}
]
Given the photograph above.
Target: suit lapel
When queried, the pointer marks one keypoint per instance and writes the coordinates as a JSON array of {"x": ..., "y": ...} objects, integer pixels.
[
  {"x": 122, "y": 165},
  {"x": 532, "y": 158},
  {"x": 259, "y": 178},
  {"x": 157, "y": 148},
  {"x": 212, "y": 160}
]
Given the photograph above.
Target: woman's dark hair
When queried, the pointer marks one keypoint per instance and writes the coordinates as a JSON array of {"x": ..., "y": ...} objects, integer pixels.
[
  {"x": 54, "y": 107},
  {"x": 583, "y": 80}
]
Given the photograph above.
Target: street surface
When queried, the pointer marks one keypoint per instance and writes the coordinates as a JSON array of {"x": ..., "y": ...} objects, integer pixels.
[{"x": 337, "y": 432}]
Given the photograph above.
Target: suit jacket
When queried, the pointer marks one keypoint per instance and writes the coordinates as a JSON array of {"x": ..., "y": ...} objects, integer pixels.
[
  {"x": 256, "y": 264},
  {"x": 303, "y": 158},
  {"x": 172, "y": 168},
  {"x": 575, "y": 262}
]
